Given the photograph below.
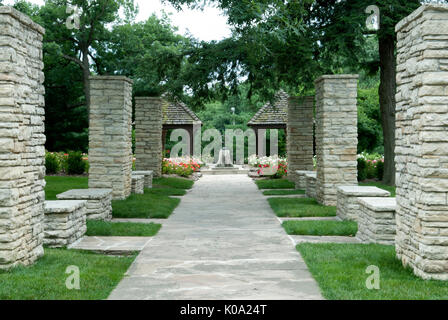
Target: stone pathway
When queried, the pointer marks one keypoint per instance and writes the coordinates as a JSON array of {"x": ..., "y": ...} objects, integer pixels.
[{"x": 222, "y": 242}]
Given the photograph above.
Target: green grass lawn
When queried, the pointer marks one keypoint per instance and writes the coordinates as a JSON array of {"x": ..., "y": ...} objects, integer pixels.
[
  {"x": 381, "y": 186},
  {"x": 144, "y": 206},
  {"x": 283, "y": 192},
  {"x": 275, "y": 184},
  {"x": 298, "y": 208},
  {"x": 45, "y": 280},
  {"x": 121, "y": 229},
  {"x": 174, "y": 183},
  {"x": 165, "y": 191},
  {"x": 56, "y": 185},
  {"x": 321, "y": 228},
  {"x": 340, "y": 270}
]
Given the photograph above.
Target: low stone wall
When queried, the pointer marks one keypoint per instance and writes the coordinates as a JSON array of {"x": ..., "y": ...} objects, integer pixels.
[
  {"x": 99, "y": 202},
  {"x": 300, "y": 179},
  {"x": 311, "y": 180},
  {"x": 376, "y": 222},
  {"x": 138, "y": 184},
  {"x": 348, "y": 204},
  {"x": 149, "y": 175},
  {"x": 65, "y": 222}
]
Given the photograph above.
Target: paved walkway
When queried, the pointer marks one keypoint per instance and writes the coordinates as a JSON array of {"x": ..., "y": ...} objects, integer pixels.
[{"x": 222, "y": 242}]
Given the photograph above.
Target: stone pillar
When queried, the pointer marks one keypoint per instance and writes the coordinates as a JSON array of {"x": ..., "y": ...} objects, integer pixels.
[
  {"x": 22, "y": 139},
  {"x": 110, "y": 135},
  {"x": 300, "y": 136},
  {"x": 148, "y": 134},
  {"x": 336, "y": 135},
  {"x": 422, "y": 142}
]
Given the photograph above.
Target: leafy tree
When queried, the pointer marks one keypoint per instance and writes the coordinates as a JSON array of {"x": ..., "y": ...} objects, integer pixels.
[
  {"x": 341, "y": 27},
  {"x": 79, "y": 45},
  {"x": 149, "y": 52}
]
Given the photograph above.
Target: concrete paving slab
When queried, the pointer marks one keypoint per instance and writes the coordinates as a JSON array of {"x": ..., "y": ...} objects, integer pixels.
[{"x": 112, "y": 245}]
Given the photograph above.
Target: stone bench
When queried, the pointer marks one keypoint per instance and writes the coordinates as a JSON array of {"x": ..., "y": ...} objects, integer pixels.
[
  {"x": 311, "y": 179},
  {"x": 138, "y": 184},
  {"x": 99, "y": 202},
  {"x": 376, "y": 221},
  {"x": 348, "y": 205},
  {"x": 301, "y": 179},
  {"x": 65, "y": 222},
  {"x": 148, "y": 177}
]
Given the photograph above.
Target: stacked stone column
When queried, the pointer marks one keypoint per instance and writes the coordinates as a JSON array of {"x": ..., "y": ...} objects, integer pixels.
[
  {"x": 148, "y": 134},
  {"x": 110, "y": 135},
  {"x": 300, "y": 135},
  {"x": 336, "y": 135},
  {"x": 22, "y": 152},
  {"x": 422, "y": 142}
]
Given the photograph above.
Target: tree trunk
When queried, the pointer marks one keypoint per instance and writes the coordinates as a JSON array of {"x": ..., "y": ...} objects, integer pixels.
[
  {"x": 86, "y": 75},
  {"x": 387, "y": 91}
]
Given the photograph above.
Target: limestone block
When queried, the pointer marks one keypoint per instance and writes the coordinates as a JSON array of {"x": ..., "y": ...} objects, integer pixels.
[
  {"x": 138, "y": 184},
  {"x": 65, "y": 222},
  {"x": 376, "y": 221},
  {"x": 301, "y": 179},
  {"x": 148, "y": 177},
  {"x": 311, "y": 185},
  {"x": 99, "y": 202},
  {"x": 348, "y": 205}
]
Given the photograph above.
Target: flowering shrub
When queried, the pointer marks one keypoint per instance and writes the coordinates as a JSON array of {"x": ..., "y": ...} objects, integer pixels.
[
  {"x": 67, "y": 163},
  {"x": 183, "y": 167},
  {"x": 273, "y": 166},
  {"x": 370, "y": 166}
]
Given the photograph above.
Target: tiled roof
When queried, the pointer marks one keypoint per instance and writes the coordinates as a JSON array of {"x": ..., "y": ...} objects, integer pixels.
[
  {"x": 177, "y": 113},
  {"x": 276, "y": 114}
]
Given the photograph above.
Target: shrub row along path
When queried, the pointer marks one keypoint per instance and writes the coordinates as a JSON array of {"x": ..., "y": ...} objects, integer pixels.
[{"x": 222, "y": 242}]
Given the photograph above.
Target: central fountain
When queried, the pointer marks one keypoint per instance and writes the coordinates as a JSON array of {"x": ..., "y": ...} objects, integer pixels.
[{"x": 224, "y": 159}]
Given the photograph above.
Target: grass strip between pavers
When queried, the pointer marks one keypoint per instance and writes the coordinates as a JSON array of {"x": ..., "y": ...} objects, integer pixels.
[
  {"x": 321, "y": 228},
  {"x": 300, "y": 208},
  {"x": 341, "y": 272},
  {"x": 46, "y": 279},
  {"x": 121, "y": 229},
  {"x": 283, "y": 192},
  {"x": 275, "y": 184}
]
